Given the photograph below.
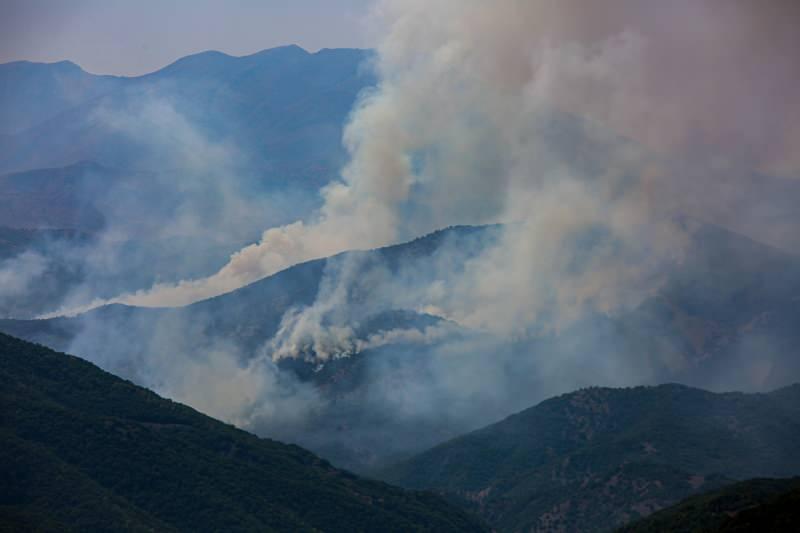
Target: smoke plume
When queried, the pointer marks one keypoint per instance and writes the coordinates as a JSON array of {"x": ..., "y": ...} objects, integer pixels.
[
  {"x": 470, "y": 91},
  {"x": 590, "y": 130}
]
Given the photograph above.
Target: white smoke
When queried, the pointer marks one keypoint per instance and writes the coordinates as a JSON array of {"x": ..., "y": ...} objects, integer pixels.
[
  {"x": 584, "y": 127},
  {"x": 18, "y": 272},
  {"x": 452, "y": 133},
  {"x": 471, "y": 124},
  {"x": 573, "y": 122}
]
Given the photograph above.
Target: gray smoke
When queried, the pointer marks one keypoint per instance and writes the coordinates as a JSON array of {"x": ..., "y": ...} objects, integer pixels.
[
  {"x": 590, "y": 131},
  {"x": 181, "y": 214},
  {"x": 454, "y": 132},
  {"x": 18, "y": 272}
]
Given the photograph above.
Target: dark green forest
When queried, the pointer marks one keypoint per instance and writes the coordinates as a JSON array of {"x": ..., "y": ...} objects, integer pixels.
[
  {"x": 599, "y": 458},
  {"x": 764, "y": 505},
  {"x": 83, "y": 450}
]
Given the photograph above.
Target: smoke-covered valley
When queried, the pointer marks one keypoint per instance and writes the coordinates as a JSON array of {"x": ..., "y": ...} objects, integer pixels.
[
  {"x": 369, "y": 254},
  {"x": 163, "y": 176},
  {"x": 354, "y": 357}
]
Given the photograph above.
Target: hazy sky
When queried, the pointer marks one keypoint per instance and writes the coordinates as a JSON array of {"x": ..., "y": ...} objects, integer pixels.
[{"x": 137, "y": 36}]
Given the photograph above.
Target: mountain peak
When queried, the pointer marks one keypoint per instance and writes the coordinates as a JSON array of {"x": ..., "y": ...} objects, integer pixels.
[
  {"x": 285, "y": 49},
  {"x": 214, "y": 62}
]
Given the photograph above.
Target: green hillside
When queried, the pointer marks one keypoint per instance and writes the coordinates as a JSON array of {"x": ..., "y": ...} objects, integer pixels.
[
  {"x": 763, "y": 505},
  {"x": 84, "y": 450},
  {"x": 599, "y": 458}
]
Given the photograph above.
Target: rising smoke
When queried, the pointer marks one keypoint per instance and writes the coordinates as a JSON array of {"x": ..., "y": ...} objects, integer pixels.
[
  {"x": 454, "y": 133},
  {"x": 590, "y": 130}
]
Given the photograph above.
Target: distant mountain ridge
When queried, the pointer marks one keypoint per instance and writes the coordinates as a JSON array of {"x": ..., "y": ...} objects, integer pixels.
[
  {"x": 283, "y": 106},
  {"x": 599, "y": 458}
]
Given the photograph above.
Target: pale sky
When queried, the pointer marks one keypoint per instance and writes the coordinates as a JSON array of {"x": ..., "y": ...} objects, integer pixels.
[{"x": 130, "y": 37}]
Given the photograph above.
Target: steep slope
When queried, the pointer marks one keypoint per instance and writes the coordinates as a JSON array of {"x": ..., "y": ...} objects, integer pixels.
[
  {"x": 754, "y": 505},
  {"x": 252, "y": 314},
  {"x": 153, "y": 464},
  {"x": 40, "y": 492},
  {"x": 598, "y": 458}
]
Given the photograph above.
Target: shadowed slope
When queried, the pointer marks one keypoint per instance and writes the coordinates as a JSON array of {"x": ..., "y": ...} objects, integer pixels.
[
  {"x": 753, "y": 505},
  {"x": 153, "y": 462}
]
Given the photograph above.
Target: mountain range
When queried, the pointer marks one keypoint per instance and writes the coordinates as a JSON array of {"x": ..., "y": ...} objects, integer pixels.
[
  {"x": 169, "y": 172},
  {"x": 83, "y": 449},
  {"x": 110, "y": 185},
  {"x": 285, "y": 104},
  {"x": 726, "y": 319}
]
